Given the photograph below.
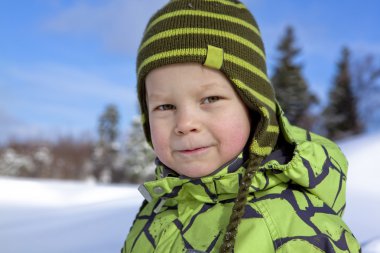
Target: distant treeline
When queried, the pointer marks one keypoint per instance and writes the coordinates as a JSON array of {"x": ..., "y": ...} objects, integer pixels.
[{"x": 352, "y": 108}]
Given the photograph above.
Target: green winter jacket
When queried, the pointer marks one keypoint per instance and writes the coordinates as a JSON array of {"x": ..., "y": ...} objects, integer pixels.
[{"x": 295, "y": 204}]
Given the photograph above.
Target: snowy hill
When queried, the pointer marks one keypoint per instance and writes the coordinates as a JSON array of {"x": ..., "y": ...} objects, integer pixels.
[
  {"x": 46, "y": 216},
  {"x": 363, "y": 194},
  {"x": 38, "y": 216}
]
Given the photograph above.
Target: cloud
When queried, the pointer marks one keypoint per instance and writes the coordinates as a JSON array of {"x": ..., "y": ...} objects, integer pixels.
[
  {"x": 10, "y": 126},
  {"x": 7, "y": 120},
  {"x": 70, "y": 81},
  {"x": 50, "y": 98},
  {"x": 119, "y": 24},
  {"x": 30, "y": 131},
  {"x": 366, "y": 47}
]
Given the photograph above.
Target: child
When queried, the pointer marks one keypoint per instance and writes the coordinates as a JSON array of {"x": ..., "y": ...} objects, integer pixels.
[{"x": 232, "y": 174}]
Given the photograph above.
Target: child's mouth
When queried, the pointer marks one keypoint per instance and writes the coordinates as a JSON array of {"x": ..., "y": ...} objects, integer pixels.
[{"x": 193, "y": 151}]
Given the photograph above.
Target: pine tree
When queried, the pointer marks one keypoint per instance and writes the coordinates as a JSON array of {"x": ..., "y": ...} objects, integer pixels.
[
  {"x": 139, "y": 162},
  {"x": 291, "y": 87},
  {"x": 366, "y": 87},
  {"x": 340, "y": 116},
  {"x": 107, "y": 148},
  {"x": 108, "y": 125}
]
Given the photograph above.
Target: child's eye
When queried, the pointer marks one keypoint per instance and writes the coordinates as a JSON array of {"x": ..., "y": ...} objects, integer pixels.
[
  {"x": 211, "y": 99},
  {"x": 165, "y": 107}
]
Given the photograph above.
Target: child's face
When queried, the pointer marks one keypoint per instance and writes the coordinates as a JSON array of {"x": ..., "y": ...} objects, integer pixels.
[{"x": 197, "y": 120}]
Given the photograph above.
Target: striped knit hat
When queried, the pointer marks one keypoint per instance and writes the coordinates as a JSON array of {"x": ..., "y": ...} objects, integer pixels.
[{"x": 220, "y": 34}]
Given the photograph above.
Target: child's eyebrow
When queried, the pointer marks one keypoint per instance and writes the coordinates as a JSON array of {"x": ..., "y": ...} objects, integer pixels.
[
  {"x": 208, "y": 86},
  {"x": 212, "y": 86},
  {"x": 156, "y": 96}
]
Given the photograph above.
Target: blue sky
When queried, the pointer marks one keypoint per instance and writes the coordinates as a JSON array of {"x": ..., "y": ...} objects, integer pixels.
[{"x": 62, "y": 62}]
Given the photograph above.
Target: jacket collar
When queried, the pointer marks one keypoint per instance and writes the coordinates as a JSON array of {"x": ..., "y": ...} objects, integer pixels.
[
  {"x": 163, "y": 171},
  {"x": 169, "y": 185}
]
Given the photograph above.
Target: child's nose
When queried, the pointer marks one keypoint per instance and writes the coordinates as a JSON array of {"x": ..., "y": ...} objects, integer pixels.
[{"x": 186, "y": 122}]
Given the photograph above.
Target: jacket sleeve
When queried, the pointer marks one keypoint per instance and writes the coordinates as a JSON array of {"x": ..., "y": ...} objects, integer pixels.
[
  {"x": 319, "y": 166},
  {"x": 135, "y": 232}
]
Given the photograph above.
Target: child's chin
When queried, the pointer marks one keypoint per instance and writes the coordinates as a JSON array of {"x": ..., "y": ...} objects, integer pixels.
[{"x": 196, "y": 172}]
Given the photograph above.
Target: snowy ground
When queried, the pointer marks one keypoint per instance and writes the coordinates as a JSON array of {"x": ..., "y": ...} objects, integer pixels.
[
  {"x": 363, "y": 192},
  {"x": 39, "y": 216},
  {"x": 42, "y": 217}
]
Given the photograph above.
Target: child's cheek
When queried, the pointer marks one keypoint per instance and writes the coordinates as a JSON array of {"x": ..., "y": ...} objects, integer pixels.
[
  {"x": 159, "y": 139},
  {"x": 237, "y": 132}
]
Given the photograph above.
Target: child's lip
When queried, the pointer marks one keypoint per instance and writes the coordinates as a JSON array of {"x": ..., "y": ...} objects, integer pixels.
[{"x": 193, "y": 150}]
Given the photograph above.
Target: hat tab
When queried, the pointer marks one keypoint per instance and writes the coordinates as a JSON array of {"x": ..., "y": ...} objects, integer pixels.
[{"x": 214, "y": 58}]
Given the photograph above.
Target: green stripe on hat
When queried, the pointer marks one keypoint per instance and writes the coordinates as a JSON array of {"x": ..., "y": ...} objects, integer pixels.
[
  {"x": 248, "y": 66},
  {"x": 237, "y": 5},
  {"x": 200, "y": 13},
  {"x": 227, "y": 3},
  {"x": 187, "y": 31},
  {"x": 172, "y": 53},
  {"x": 270, "y": 103}
]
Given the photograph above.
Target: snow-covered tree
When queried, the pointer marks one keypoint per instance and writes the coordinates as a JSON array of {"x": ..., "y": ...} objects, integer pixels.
[
  {"x": 14, "y": 164},
  {"x": 105, "y": 167},
  {"x": 108, "y": 125},
  {"x": 291, "y": 87},
  {"x": 139, "y": 162}
]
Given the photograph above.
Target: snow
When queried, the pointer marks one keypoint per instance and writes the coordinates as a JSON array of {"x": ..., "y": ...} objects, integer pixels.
[
  {"x": 372, "y": 246},
  {"x": 52, "y": 216},
  {"x": 362, "y": 213},
  {"x": 41, "y": 216}
]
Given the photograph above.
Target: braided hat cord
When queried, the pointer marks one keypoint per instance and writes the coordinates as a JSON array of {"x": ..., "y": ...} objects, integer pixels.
[{"x": 239, "y": 206}]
